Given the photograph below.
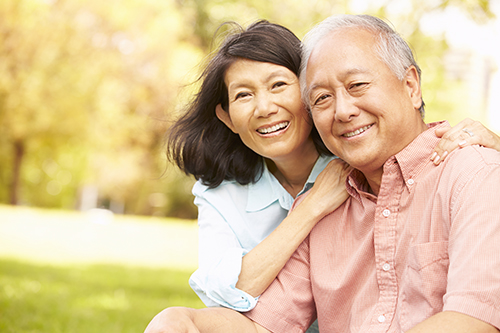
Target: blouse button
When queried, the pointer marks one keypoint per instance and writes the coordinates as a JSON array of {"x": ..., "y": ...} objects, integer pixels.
[
  {"x": 381, "y": 319},
  {"x": 386, "y": 212},
  {"x": 386, "y": 267},
  {"x": 410, "y": 181}
]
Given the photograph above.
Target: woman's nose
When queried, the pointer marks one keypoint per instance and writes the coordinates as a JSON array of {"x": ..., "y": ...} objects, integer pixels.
[{"x": 265, "y": 106}]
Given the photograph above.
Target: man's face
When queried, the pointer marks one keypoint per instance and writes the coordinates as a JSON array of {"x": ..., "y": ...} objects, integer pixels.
[{"x": 362, "y": 111}]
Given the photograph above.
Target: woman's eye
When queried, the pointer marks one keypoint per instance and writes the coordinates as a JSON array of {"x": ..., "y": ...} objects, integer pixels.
[{"x": 241, "y": 95}]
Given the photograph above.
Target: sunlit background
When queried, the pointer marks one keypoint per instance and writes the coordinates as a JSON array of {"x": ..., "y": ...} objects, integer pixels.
[{"x": 87, "y": 90}]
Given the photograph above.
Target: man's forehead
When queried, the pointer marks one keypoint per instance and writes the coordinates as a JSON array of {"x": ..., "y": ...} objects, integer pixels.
[
  {"x": 352, "y": 47},
  {"x": 343, "y": 41}
]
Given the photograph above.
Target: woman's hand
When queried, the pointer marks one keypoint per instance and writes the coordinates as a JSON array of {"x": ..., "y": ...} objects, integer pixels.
[
  {"x": 466, "y": 133},
  {"x": 329, "y": 190}
]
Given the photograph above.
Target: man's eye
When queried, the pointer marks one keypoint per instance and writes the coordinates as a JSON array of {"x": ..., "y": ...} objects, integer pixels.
[
  {"x": 358, "y": 85},
  {"x": 279, "y": 84},
  {"x": 320, "y": 99}
]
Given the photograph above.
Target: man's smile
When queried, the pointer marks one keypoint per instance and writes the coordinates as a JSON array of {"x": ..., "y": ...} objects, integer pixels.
[{"x": 357, "y": 132}]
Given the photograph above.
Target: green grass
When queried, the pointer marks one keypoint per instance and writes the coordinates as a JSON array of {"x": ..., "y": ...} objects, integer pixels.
[{"x": 95, "y": 298}]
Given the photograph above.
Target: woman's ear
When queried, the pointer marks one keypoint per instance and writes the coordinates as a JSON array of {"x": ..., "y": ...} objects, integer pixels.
[{"x": 224, "y": 117}]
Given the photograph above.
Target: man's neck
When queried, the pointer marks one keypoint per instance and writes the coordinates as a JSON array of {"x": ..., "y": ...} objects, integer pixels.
[{"x": 374, "y": 177}]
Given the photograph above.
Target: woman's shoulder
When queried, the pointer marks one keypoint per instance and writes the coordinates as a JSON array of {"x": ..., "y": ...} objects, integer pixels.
[{"x": 227, "y": 186}]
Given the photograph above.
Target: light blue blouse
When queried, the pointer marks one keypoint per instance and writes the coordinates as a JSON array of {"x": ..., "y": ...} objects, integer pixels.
[{"x": 232, "y": 220}]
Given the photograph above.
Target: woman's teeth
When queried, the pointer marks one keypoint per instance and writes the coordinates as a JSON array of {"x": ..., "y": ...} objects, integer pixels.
[
  {"x": 356, "y": 132},
  {"x": 273, "y": 128}
]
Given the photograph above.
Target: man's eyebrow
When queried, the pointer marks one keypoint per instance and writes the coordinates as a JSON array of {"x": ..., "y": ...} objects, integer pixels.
[
  {"x": 351, "y": 71},
  {"x": 357, "y": 70}
]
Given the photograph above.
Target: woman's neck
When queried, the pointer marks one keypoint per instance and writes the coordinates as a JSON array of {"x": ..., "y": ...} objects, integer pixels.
[{"x": 292, "y": 173}]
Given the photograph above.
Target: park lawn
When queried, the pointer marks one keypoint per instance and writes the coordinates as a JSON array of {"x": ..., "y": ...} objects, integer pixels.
[{"x": 92, "y": 298}]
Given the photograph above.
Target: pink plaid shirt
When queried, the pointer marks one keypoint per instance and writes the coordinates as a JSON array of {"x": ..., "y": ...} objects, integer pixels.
[{"x": 429, "y": 242}]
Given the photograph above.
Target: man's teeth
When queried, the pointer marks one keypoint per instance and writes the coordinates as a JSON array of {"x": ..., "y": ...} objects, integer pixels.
[
  {"x": 273, "y": 128},
  {"x": 356, "y": 132}
]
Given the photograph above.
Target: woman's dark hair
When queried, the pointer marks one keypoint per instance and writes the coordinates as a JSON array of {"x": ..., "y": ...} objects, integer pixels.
[{"x": 202, "y": 145}]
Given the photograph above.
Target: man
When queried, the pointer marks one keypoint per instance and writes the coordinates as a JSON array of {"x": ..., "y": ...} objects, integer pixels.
[{"x": 416, "y": 247}]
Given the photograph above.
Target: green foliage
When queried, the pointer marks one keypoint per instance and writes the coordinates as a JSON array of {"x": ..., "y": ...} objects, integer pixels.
[{"x": 36, "y": 298}]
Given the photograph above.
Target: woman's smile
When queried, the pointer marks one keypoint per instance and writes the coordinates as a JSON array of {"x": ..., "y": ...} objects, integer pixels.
[{"x": 280, "y": 127}]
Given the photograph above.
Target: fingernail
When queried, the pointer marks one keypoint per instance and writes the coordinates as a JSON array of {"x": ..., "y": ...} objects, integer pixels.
[
  {"x": 462, "y": 143},
  {"x": 436, "y": 160},
  {"x": 433, "y": 155},
  {"x": 444, "y": 154}
]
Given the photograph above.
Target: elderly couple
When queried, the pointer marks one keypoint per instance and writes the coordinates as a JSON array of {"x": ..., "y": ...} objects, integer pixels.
[{"x": 402, "y": 237}]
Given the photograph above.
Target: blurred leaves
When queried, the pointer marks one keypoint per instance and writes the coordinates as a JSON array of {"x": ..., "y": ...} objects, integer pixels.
[{"x": 88, "y": 88}]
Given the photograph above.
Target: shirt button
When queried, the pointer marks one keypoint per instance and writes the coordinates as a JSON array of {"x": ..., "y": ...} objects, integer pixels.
[
  {"x": 381, "y": 319},
  {"x": 386, "y": 212},
  {"x": 410, "y": 181},
  {"x": 386, "y": 267}
]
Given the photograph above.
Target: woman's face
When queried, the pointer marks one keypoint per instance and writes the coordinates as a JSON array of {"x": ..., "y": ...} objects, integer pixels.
[{"x": 266, "y": 110}]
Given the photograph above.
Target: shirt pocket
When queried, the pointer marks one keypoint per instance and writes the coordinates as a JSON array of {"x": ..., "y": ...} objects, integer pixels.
[{"x": 423, "y": 283}]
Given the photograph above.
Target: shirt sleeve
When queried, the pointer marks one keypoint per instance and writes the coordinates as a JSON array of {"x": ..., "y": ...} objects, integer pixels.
[
  {"x": 288, "y": 303},
  {"x": 474, "y": 272},
  {"x": 219, "y": 260}
]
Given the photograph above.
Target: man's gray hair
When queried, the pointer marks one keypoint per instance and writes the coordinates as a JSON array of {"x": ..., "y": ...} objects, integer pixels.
[{"x": 391, "y": 47}]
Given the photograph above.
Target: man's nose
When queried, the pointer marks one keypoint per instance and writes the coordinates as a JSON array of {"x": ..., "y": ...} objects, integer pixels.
[{"x": 345, "y": 108}]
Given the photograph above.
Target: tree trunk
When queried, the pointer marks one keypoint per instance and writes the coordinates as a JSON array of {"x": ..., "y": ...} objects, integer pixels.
[{"x": 16, "y": 172}]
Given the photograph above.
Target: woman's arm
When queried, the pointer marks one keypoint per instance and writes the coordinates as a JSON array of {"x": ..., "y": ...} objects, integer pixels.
[
  {"x": 460, "y": 136},
  {"x": 220, "y": 252},
  {"x": 261, "y": 265}
]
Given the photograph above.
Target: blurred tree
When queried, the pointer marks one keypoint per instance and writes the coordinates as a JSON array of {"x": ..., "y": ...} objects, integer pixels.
[
  {"x": 37, "y": 65},
  {"x": 138, "y": 99},
  {"x": 84, "y": 98}
]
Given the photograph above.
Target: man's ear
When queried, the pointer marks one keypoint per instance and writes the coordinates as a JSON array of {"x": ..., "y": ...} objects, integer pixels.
[
  {"x": 224, "y": 117},
  {"x": 412, "y": 82}
]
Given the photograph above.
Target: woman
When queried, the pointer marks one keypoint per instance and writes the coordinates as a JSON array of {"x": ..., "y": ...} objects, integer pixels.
[{"x": 251, "y": 144}]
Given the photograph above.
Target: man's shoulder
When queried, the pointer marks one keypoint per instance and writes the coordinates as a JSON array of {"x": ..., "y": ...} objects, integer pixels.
[
  {"x": 468, "y": 164},
  {"x": 488, "y": 155},
  {"x": 473, "y": 157}
]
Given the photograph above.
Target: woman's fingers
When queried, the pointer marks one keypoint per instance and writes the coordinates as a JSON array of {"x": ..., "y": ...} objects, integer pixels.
[{"x": 467, "y": 132}]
